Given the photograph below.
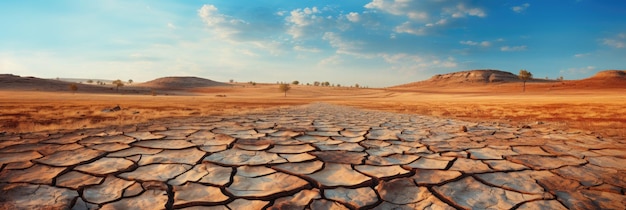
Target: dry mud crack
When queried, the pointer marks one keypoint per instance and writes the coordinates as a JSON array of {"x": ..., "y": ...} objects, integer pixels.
[{"x": 317, "y": 156}]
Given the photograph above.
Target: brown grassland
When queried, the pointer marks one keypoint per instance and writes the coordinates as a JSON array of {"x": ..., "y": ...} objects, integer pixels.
[{"x": 602, "y": 111}]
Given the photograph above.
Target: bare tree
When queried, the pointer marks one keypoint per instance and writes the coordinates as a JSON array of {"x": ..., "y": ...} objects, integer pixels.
[
  {"x": 525, "y": 76},
  {"x": 284, "y": 88}
]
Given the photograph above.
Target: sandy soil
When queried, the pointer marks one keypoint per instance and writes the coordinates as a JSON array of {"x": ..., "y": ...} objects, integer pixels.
[{"x": 595, "y": 110}]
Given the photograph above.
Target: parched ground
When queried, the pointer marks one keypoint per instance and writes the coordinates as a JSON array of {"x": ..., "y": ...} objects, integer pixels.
[{"x": 316, "y": 156}]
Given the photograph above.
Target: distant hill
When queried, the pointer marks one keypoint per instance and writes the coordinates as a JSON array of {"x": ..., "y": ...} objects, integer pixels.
[
  {"x": 610, "y": 74},
  {"x": 468, "y": 78},
  {"x": 181, "y": 83},
  {"x": 502, "y": 79},
  {"x": 603, "y": 79},
  {"x": 15, "y": 82}
]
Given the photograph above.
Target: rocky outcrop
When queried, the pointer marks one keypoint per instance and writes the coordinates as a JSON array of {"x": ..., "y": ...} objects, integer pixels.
[
  {"x": 475, "y": 76},
  {"x": 465, "y": 78}
]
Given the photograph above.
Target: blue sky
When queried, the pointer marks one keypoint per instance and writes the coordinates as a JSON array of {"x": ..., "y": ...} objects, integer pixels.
[{"x": 371, "y": 42}]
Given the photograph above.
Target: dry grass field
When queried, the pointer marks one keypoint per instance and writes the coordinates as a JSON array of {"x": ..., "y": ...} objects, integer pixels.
[{"x": 601, "y": 111}]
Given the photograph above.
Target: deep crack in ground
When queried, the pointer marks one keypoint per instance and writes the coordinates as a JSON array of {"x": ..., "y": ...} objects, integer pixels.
[{"x": 316, "y": 156}]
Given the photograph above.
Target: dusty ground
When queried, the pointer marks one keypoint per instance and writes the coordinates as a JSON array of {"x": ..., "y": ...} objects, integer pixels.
[
  {"x": 595, "y": 110},
  {"x": 251, "y": 147}
]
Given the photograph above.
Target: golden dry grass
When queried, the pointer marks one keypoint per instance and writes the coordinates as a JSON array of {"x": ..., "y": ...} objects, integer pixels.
[{"x": 601, "y": 111}]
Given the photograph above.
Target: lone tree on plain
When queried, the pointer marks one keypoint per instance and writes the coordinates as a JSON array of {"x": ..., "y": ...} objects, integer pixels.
[
  {"x": 295, "y": 82},
  {"x": 130, "y": 81},
  {"x": 284, "y": 88},
  {"x": 118, "y": 83},
  {"x": 73, "y": 88},
  {"x": 525, "y": 76}
]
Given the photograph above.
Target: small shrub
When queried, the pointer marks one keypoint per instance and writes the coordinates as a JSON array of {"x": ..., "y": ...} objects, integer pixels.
[{"x": 73, "y": 88}]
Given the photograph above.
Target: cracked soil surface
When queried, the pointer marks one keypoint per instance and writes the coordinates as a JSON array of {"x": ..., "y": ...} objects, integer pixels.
[{"x": 316, "y": 156}]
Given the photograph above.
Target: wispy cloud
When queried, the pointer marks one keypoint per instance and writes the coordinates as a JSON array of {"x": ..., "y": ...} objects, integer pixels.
[
  {"x": 343, "y": 46},
  {"x": 513, "y": 48},
  {"x": 581, "y": 55},
  {"x": 618, "y": 41},
  {"x": 411, "y": 63},
  {"x": 220, "y": 24},
  {"x": 520, "y": 8},
  {"x": 425, "y": 17},
  {"x": 473, "y": 43},
  {"x": 306, "y": 49}
]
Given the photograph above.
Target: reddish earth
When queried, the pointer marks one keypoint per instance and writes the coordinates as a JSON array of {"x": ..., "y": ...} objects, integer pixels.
[{"x": 594, "y": 104}]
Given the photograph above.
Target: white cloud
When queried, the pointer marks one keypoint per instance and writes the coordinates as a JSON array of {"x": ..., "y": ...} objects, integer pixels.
[
  {"x": 330, "y": 61},
  {"x": 353, "y": 17},
  {"x": 302, "y": 17},
  {"x": 218, "y": 23},
  {"x": 210, "y": 15},
  {"x": 407, "y": 63},
  {"x": 473, "y": 43},
  {"x": 410, "y": 28},
  {"x": 513, "y": 48},
  {"x": 618, "y": 41},
  {"x": 240, "y": 34},
  {"x": 461, "y": 11},
  {"x": 424, "y": 17},
  {"x": 615, "y": 43},
  {"x": 306, "y": 49},
  {"x": 395, "y": 7},
  {"x": 343, "y": 46},
  {"x": 418, "y": 15},
  {"x": 302, "y": 21},
  {"x": 520, "y": 8},
  {"x": 581, "y": 55},
  {"x": 171, "y": 25},
  {"x": 470, "y": 43}
]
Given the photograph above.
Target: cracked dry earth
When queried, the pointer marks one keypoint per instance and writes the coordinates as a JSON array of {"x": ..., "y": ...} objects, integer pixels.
[{"x": 317, "y": 156}]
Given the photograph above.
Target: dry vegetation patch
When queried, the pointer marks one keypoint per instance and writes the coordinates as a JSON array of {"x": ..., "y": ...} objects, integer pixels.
[
  {"x": 40, "y": 111},
  {"x": 598, "y": 111}
]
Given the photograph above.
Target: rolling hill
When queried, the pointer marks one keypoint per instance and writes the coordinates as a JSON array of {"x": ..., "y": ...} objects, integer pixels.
[{"x": 181, "y": 83}]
